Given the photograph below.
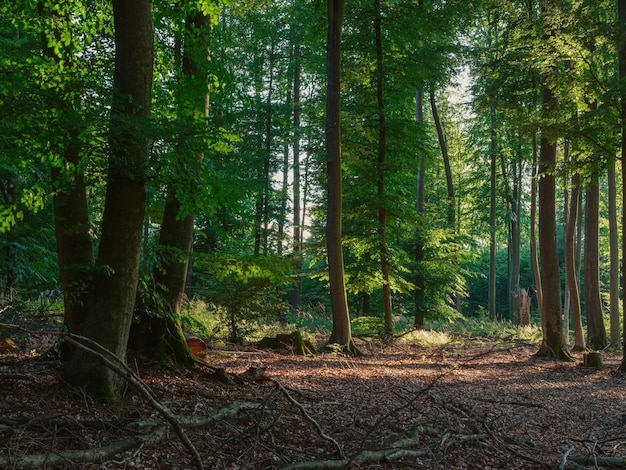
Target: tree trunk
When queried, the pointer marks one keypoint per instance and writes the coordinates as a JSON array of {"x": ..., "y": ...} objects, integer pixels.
[
  {"x": 341, "y": 332},
  {"x": 570, "y": 263},
  {"x": 553, "y": 344},
  {"x": 534, "y": 258},
  {"x": 420, "y": 297},
  {"x": 596, "y": 333},
  {"x": 492, "y": 217},
  {"x": 110, "y": 309},
  {"x": 71, "y": 215},
  {"x": 161, "y": 334},
  {"x": 621, "y": 14},
  {"x": 296, "y": 293},
  {"x": 267, "y": 182},
  {"x": 614, "y": 260},
  {"x": 443, "y": 145},
  {"x": 382, "y": 148}
]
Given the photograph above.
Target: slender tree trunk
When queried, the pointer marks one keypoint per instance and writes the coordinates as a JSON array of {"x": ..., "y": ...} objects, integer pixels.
[
  {"x": 296, "y": 293},
  {"x": 342, "y": 332},
  {"x": 614, "y": 260},
  {"x": 621, "y": 15},
  {"x": 570, "y": 263},
  {"x": 71, "y": 215},
  {"x": 267, "y": 182},
  {"x": 284, "y": 190},
  {"x": 566, "y": 223},
  {"x": 443, "y": 145},
  {"x": 534, "y": 257},
  {"x": 382, "y": 148},
  {"x": 514, "y": 198},
  {"x": 492, "y": 217},
  {"x": 420, "y": 287},
  {"x": 10, "y": 193},
  {"x": 110, "y": 309},
  {"x": 596, "y": 333}
]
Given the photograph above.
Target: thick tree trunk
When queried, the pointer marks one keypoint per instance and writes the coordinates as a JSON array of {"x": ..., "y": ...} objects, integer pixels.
[
  {"x": 596, "y": 333},
  {"x": 553, "y": 344},
  {"x": 382, "y": 155},
  {"x": 341, "y": 332},
  {"x": 110, "y": 309}
]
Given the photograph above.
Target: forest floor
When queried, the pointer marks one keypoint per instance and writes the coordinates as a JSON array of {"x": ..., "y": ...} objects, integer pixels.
[{"x": 472, "y": 403}]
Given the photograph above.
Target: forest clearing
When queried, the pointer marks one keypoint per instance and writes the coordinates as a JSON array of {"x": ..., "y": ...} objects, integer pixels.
[{"x": 466, "y": 402}]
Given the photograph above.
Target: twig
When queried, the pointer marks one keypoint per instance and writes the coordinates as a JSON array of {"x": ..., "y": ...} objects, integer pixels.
[
  {"x": 570, "y": 448},
  {"x": 308, "y": 417}
]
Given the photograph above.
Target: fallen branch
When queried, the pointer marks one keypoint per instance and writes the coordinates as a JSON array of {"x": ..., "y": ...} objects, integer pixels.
[
  {"x": 119, "y": 367},
  {"x": 398, "y": 450},
  {"x": 94, "y": 455}
]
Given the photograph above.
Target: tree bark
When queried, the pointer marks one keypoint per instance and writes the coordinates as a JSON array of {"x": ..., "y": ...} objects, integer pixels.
[
  {"x": 382, "y": 155},
  {"x": 570, "y": 263},
  {"x": 296, "y": 292},
  {"x": 621, "y": 16},
  {"x": 553, "y": 344},
  {"x": 71, "y": 214},
  {"x": 596, "y": 333},
  {"x": 161, "y": 334},
  {"x": 492, "y": 216},
  {"x": 614, "y": 260},
  {"x": 420, "y": 279},
  {"x": 341, "y": 331},
  {"x": 110, "y": 308}
]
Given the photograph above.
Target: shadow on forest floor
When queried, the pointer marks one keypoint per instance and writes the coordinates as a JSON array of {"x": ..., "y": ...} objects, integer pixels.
[{"x": 469, "y": 404}]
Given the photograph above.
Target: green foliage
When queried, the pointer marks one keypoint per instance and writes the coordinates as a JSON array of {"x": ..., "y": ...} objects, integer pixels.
[
  {"x": 201, "y": 319},
  {"x": 247, "y": 288}
]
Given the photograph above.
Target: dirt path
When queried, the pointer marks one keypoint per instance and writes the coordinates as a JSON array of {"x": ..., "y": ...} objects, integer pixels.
[{"x": 468, "y": 404}]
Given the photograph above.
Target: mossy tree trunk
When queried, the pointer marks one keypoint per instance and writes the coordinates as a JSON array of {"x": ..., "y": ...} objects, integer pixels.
[{"x": 159, "y": 333}]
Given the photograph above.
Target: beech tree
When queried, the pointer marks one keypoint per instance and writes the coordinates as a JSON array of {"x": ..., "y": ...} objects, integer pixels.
[
  {"x": 109, "y": 312},
  {"x": 342, "y": 333},
  {"x": 553, "y": 343},
  {"x": 160, "y": 331}
]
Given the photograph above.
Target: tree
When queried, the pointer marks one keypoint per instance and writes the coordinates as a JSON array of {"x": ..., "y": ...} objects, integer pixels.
[
  {"x": 571, "y": 275},
  {"x": 596, "y": 333},
  {"x": 341, "y": 333},
  {"x": 71, "y": 213},
  {"x": 109, "y": 312},
  {"x": 160, "y": 330},
  {"x": 553, "y": 344},
  {"x": 382, "y": 155},
  {"x": 621, "y": 15}
]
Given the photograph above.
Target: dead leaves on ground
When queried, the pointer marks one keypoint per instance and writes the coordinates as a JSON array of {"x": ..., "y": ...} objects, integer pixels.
[{"x": 476, "y": 405}]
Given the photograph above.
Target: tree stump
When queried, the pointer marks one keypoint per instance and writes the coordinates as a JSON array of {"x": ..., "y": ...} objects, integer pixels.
[
  {"x": 593, "y": 359},
  {"x": 293, "y": 342},
  {"x": 523, "y": 303},
  {"x": 197, "y": 347}
]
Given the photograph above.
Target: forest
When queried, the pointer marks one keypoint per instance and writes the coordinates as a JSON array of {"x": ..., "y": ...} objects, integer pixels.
[{"x": 239, "y": 215}]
